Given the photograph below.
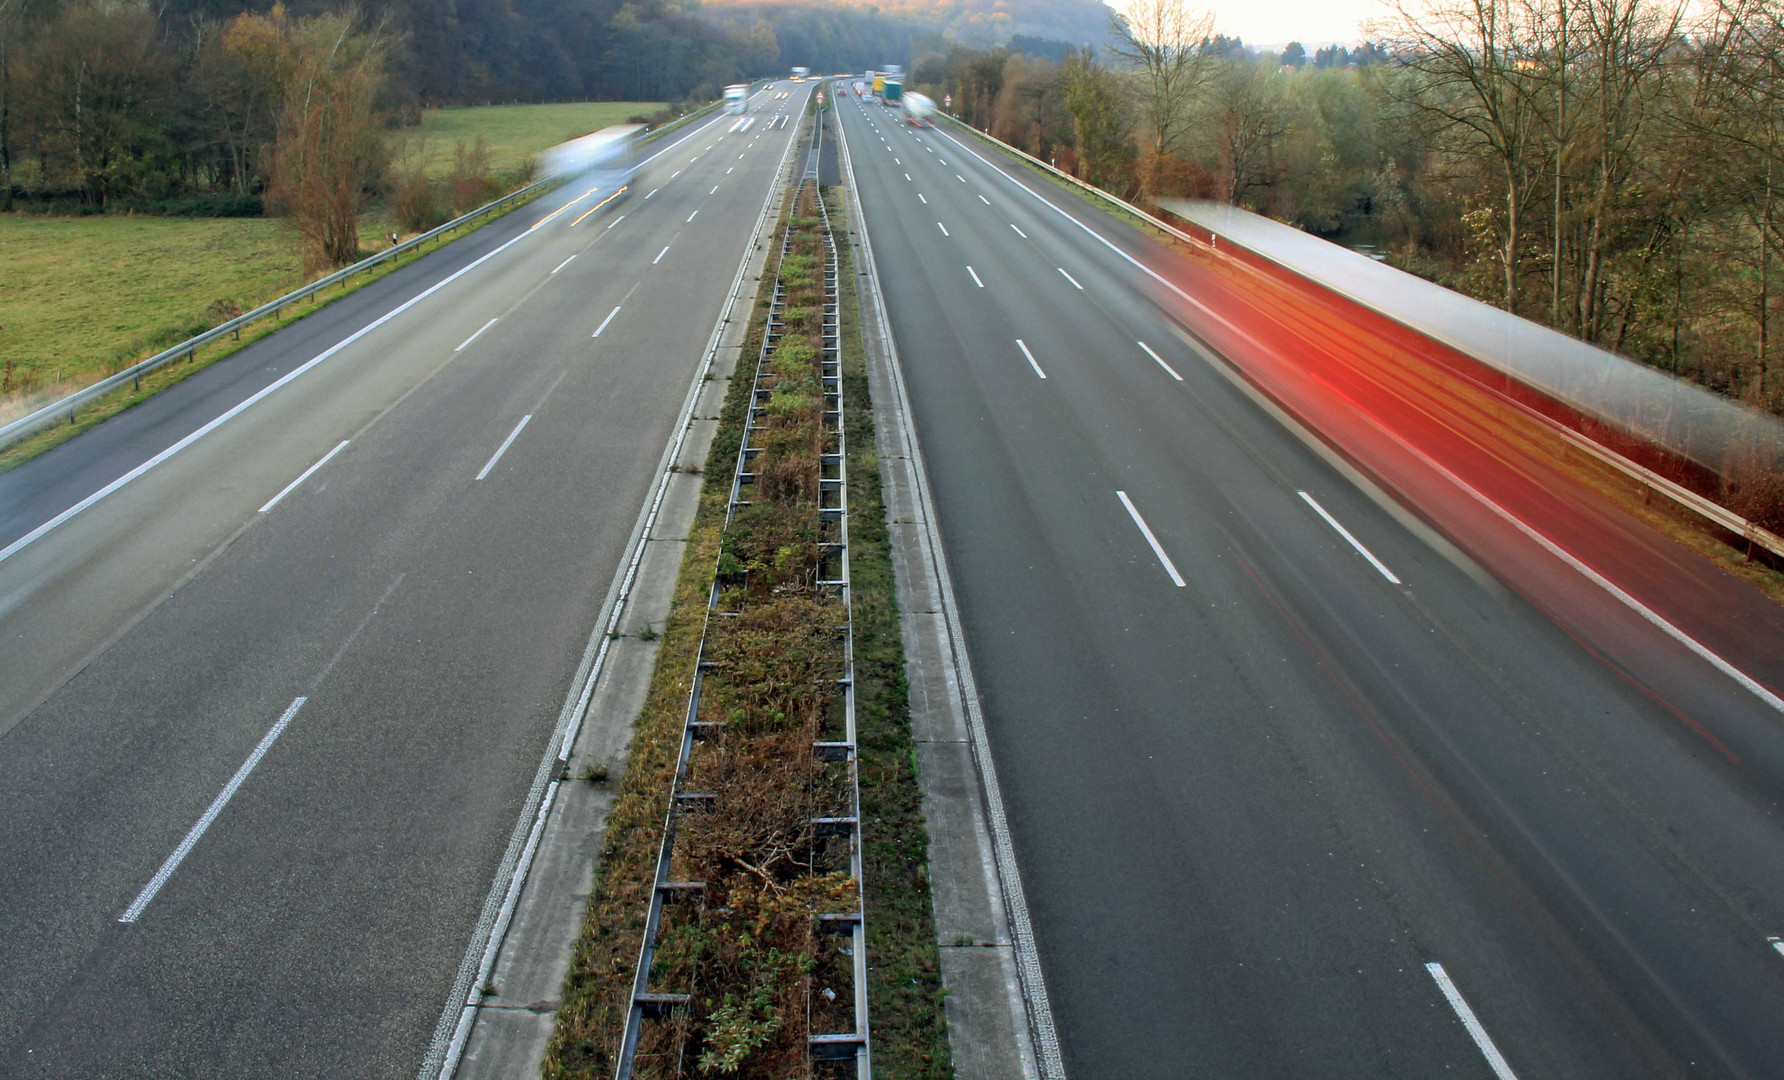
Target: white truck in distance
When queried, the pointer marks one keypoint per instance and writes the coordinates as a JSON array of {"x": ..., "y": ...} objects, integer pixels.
[
  {"x": 918, "y": 108},
  {"x": 800, "y": 74},
  {"x": 737, "y": 99}
]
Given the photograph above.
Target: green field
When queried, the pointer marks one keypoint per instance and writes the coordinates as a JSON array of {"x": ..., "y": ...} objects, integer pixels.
[
  {"x": 82, "y": 294},
  {"x": 512, "y": 133}
]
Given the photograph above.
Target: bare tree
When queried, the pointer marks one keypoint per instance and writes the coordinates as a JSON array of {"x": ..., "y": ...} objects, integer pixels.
[
  {"x": 1478, "y": 71},
  {"x": 1749, "y": 111},
  {"x": 329, "y": 152},
  {"x": 1245, "y": 120},
  {"x": 1625, "y": 41},
  {"x": 1167, "y": 41}
]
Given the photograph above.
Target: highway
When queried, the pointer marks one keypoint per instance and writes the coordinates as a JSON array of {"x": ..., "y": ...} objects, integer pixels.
[
  {"x": 1315, "y": 764},
  {"x": 286, "y": 645}
]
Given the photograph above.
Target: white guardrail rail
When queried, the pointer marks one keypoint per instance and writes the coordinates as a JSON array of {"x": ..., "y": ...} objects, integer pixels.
[
  {"x": 69, "y": 407},
  {"x": 1681, "y": 496}
]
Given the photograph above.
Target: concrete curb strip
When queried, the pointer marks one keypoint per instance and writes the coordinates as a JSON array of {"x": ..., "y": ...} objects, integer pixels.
[{"x": 975, "y": 878}]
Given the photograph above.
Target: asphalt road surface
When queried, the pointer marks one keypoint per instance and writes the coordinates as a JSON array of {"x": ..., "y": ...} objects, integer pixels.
[
  {"x": 1299, "y": 784},
  {"x": 271, "y": 707}
]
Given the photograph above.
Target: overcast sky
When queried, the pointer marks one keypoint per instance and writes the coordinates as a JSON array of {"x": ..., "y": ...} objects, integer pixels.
[{"x": 1276, "y": 22}]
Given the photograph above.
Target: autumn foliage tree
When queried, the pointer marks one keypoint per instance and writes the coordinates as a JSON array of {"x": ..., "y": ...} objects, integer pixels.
[{"x": 329, "y": 156}]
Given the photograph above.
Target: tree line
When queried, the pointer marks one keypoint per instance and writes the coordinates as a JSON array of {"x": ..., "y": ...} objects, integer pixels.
[
  {"x": 1608, "y": 167},
  {"x": 226, "y": 106}
]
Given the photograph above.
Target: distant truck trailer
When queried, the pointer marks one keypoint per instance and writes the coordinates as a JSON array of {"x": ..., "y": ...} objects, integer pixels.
[
  {"x": 891, "y": 92},
  {"x": 737, "y": 99},
  {"x": 801, "y": 73},
  {"x": 602, "y": 159},
  {"x": 918, "y": 108},
  {"x": 879, "y": 84}
]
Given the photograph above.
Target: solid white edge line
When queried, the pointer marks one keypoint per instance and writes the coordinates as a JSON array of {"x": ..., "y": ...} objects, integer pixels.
[
  {"x": 1023, "y": 345},
  {"x": 1161, "y": 362},
  {"x": 1032, "y": 998},
  {"x": 560, "y": 266},
  {"x": 1652, "y": 617},
  {"x": 1146, "y": 531},
  {"x": 135, "y": 910},
  {"x": 1353, "y": 541},
  {"x": 942, "y": 227},
  {"x": 479, "y": 331},
  {"x": 503, "y": 449},
  {"x": 660, "y": 255},
  {"x": 1495, "y": 1060},
  {"x": 608, "y": 319},
  {"x": 975, "y": 275},
  {"x": 453, "y": 1031},
  {"x": 1071, "y": 279},
  {"x": 289, "y": 488}
]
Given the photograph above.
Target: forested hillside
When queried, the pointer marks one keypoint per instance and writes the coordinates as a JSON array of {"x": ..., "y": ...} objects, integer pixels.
[
  {"x": 982, "y": 23},
  {"x": 179, "y": 105},
  {"x": 472, "y": 51}
]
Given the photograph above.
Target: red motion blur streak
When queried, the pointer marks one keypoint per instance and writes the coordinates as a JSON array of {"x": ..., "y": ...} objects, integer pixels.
[{"x": 1386, "y": 397}]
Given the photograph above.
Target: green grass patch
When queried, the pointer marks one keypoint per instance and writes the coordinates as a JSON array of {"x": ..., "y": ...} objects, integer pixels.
[
  {"x": 102, "y": 293},
  {"x": 513, "y": 134},
  {"x": 84, "y": 296}
]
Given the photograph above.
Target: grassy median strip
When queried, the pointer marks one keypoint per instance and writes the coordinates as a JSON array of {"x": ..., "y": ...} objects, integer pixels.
[
  {"x": 596, "y": 1000},
  {"x": 747, "y": 952}
]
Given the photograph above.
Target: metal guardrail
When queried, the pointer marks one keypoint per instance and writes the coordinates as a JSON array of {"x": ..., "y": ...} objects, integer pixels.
[
  {"x": 1681, "y": 496},
  {"x": 71, "y": 405}
]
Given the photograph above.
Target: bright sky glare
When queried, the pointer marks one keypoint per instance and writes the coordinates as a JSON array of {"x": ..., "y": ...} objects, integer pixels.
[{"x": 1277, "y": 22}]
